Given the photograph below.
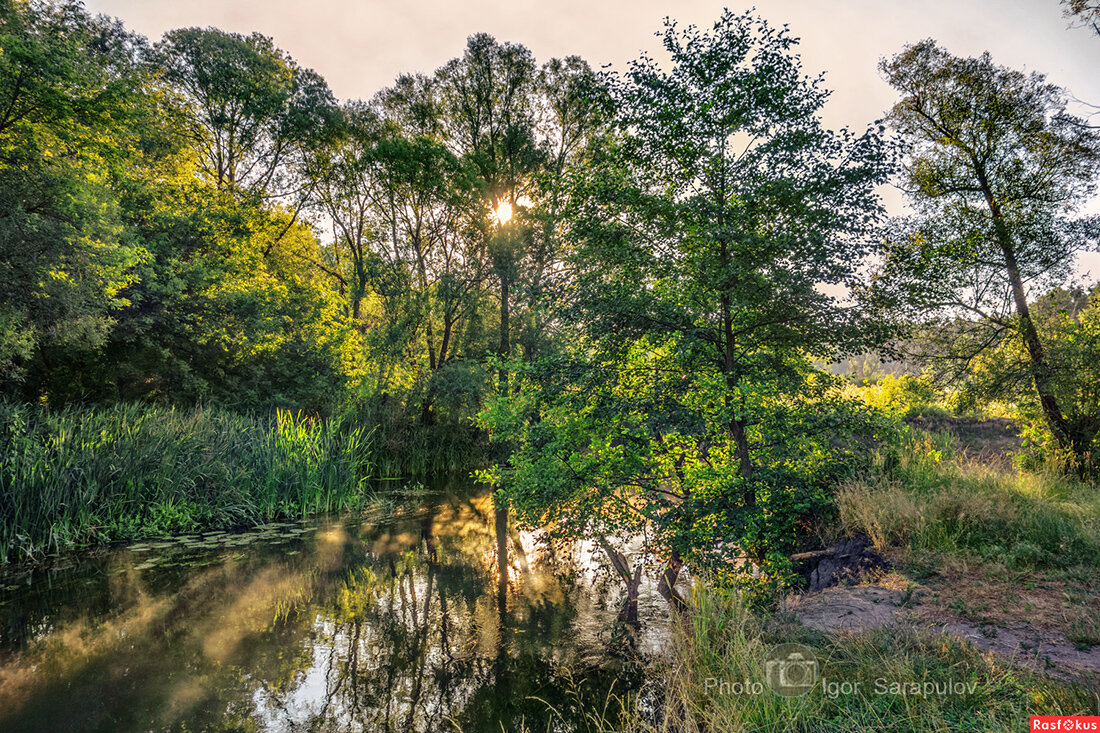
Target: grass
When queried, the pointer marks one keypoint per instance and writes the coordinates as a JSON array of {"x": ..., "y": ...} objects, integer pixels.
[
  {"x": 722, "y": 650},
  {"x": 998, "y": 545},
  {"x": 406, "y": 447},
  {"x": 920, "y": 499},
  {"x": 938, "y": 511},
  {"x": 75, "y": 477}
]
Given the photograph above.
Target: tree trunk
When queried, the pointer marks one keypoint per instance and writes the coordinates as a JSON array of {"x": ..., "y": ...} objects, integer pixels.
[
  {"x": 505, "y": 343},
  {"x": 1040, "y": 369},
  {"x": 633, "y": 581},
  {"x": 667, "y": 585},
  {"x": 729, "y": 369}
]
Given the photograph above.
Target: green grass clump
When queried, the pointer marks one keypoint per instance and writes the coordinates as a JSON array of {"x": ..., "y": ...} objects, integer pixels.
[
  {"x": 407, "y": 445},
  {"x": 918, "y": 498},
  {"x": 725, "y": 642},
  {"x": 74, "y": 477}
]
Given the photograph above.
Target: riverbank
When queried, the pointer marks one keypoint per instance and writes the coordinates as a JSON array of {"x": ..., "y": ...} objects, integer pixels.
[
  {"x": 718, "y": 677},
  {"x": 985, "y": 616},
  {"x": 77, "y": 477}
]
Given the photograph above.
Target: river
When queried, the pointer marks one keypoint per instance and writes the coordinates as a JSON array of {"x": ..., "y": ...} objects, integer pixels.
[{"x": 402, "y": 618}]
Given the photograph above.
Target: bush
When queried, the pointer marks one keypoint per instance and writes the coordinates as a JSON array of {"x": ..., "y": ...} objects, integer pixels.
[{"x": 906, "y": 396}]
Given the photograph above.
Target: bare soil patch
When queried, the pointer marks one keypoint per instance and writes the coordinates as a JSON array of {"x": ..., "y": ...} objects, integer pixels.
[{"x": 893, "y": 599}]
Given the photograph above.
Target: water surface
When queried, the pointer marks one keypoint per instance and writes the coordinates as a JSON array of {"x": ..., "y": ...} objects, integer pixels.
[{"x": 401, "y": 621}]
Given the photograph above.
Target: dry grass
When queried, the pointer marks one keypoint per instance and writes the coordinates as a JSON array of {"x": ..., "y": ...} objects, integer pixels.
[
  {"x": 920, "y": 499},
  {"x": 1003, "y": 545}
]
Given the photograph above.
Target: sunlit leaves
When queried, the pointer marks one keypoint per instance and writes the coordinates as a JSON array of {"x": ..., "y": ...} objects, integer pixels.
[
  {"x": 72, "y": 93},
  {"x": 701, "y": 229}
]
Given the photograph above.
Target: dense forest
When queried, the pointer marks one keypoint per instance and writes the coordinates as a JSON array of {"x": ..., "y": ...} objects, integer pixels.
[{"x": 664, "y": 301}]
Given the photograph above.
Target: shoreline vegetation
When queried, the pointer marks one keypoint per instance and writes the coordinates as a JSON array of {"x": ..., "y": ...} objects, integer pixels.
[
  {"x": 73, "y": 478},
  {"x": 931, "y": 507},
  {"x": 206, "y": 468},
  {"x": 876, "y": 680}
]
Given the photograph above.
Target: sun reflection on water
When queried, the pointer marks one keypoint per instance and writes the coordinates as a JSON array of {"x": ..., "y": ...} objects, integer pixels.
[{"x": 346, "y": 625}]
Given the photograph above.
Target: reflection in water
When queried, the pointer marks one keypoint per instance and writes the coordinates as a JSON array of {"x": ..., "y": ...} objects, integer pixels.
[{"x": 441, "y": 617}]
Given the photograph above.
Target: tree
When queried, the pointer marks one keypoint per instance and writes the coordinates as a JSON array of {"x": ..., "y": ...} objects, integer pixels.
[
  {"x": 252, "y": 110},
  {"x": 1070, "y": 323},
  {"x": 406, "y": 216},
  {"x": 487, "y": 98},
  {"x": 1086, "y": 12},
  {"x": 573, "y": 107},
  {"x": 76, "y": 105},
  {"x": 996, "y": 169},
  {"x": 702, "y": 231}
]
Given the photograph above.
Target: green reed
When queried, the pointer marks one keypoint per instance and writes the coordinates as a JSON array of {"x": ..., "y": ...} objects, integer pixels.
[{"x": 75, "y": 476}]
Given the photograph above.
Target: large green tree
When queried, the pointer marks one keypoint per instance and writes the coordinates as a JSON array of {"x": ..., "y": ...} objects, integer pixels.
[
  {"x": 488, "y": 97},
  {"x": 77, "y": 116},
  {"x": 998, "y": 172},
  {"x": 705, "y": 233},
  {"x": 253, "y": 113}
]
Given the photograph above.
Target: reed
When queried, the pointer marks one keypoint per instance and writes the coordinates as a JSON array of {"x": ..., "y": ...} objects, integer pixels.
[{"x": 75, "y": 476}]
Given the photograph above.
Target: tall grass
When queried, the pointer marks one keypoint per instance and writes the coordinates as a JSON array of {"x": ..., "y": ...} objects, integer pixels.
[
  {"x": 918, "y": 498},
  {"x": 716, "y": 680},
  {"x": 407, "y": 447},
  {"x": 73, "y": 477}
]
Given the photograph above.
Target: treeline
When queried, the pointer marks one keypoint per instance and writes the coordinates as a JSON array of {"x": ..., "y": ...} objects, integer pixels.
[
  {"x": 623, "y": 274},
  {"x": 198, "y": 220}
]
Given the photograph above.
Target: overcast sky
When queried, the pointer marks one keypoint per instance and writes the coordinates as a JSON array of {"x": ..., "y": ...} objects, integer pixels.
[{"x": 361, "y": 46}]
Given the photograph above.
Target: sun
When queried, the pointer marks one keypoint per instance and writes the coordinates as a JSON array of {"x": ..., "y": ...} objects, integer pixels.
[{"x": 503, "y": 213}]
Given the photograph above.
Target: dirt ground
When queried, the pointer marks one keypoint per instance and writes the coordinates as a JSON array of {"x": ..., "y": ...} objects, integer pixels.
[
  {"x": 1030, "y": 639},
  {"x": 992, "y": 439},
  {"x": 1042, "y": 621}
]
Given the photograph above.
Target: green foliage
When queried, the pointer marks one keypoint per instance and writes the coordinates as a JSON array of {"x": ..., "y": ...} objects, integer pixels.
[
  {"x": 129, "y": 278},
  {"x": 906, "y": 396},
  {"x": 1070, "y": 327},
  {"x": 74, "y": 107},
  {"x": 403, "y": 444},
  {"x": 612, "y": 450},
  {"x": 701, "y": 230},
  {"x": 998, "y": 172},
  {"x": 69, "y": 478},
  {"x": 252, "y": 110},
  {"x": 223, "y": 312}
]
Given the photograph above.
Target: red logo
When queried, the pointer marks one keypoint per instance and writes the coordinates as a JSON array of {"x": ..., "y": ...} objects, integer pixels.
[{"x": 1065, "y": 723}]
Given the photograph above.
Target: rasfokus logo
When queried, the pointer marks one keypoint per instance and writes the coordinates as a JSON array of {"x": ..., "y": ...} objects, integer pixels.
[{"x": 1067, "y": 723}]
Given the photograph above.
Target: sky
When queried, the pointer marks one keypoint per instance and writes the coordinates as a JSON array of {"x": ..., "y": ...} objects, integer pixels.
[{"x": 360, "y": 47}]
